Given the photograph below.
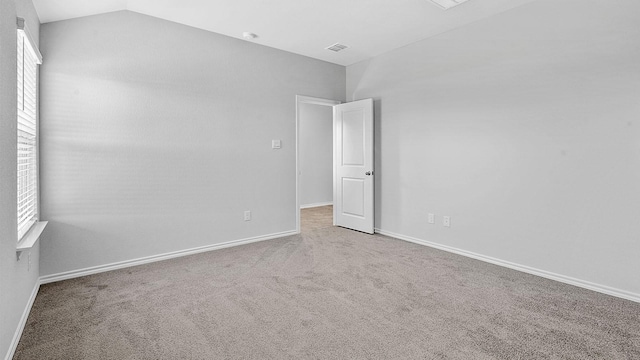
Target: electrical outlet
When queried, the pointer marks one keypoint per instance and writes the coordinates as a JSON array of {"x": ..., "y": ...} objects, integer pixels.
[
  {"x": 247, "y": 215},
  {"x": 446, "y": 221},
  {"x": 432, "y": 218}
]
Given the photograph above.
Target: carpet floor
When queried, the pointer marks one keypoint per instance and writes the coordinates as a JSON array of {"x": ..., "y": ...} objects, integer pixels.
[{"x": 328, "y": 293}]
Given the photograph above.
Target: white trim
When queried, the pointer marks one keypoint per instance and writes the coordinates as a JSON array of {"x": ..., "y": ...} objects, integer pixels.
[
  {"x": 300, "y": 99},
  {"x": 149, "y": 259},
  {"x": 308, "y": 206},
  {"x": 32, "y": 236},
  {"x": 124, "y": 264},
  {"x": 23, "y": 321},
  {"x": 526, "y": 269}
]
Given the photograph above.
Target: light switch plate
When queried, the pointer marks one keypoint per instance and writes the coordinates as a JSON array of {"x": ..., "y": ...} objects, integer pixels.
[{"x": 276, "y": 144}]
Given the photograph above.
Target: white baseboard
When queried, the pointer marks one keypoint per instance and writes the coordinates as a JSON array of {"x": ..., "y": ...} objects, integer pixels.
[
  {"x": 149, "y": 259},
  {"x": 526, "y": 269},
  {"x": 123, "y": 264},
  {"x": 23, "y": 322},
  {"x": 307, "y": 206}
]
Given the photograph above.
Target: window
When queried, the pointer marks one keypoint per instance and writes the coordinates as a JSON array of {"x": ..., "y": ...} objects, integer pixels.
[{"x": 28, "y": 60}]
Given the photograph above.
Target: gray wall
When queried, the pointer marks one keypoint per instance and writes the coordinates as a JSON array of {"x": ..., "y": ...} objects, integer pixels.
[
  {"x": 525, "y": 128},
  {"x": 316, "y": 154},
  {"x": 157, "y": 136},
  {"x": 17, "y": 281}
]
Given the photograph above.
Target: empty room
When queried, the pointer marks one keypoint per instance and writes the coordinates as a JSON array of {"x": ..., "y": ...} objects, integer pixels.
[{"x": 305, "y": 179}]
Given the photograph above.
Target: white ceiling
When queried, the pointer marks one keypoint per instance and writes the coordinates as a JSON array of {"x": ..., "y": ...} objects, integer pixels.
[{"x": 305, "y": 27}]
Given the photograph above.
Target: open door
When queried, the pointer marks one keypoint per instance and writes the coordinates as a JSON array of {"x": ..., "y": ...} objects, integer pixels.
[{"x": 353, "y": 165}]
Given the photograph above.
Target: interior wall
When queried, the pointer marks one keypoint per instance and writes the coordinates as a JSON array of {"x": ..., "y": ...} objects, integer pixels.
[
  {"x": 316, "y": 154},
  {"x": 17, "y": 278},
  {"x": 525, "y": 129},
  {"x": 156, "y": 138}
]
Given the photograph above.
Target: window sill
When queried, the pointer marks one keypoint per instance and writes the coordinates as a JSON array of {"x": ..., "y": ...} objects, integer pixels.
[{"x": 30, "y": 238}]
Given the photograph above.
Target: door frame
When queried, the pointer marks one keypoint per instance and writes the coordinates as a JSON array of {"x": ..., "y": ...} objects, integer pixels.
[{"x": 300, "y": 99}]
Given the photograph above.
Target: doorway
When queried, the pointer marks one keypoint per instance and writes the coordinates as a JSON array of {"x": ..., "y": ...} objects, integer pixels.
[
  {"x": 346, "y": 169},
  {"x": 314, "y": 162}
]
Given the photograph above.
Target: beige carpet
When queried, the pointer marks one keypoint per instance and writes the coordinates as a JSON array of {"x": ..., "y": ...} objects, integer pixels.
[{"x": 329, "y": 293}]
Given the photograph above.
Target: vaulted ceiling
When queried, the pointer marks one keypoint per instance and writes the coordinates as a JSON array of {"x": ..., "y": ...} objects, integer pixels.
[{"x": 306, "y": 27}]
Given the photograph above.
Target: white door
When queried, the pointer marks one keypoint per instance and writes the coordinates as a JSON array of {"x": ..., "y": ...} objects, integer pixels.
[{"x": 353, "y": 165}]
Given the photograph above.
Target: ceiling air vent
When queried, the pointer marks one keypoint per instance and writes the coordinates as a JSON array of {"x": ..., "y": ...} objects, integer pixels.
[
  {"x": 448, "y": 4},
  {"x": 336, "y": 47}
]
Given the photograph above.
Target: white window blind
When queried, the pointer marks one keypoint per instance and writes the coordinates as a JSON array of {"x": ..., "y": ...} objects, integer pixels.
[{"x": 28, "y": 60}]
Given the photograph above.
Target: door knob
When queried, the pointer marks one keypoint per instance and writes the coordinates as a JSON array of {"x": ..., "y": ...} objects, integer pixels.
[{"x": 368, "y": 173}]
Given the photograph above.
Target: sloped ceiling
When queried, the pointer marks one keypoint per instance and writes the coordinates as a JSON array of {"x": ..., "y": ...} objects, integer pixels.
[{"x": 305, "y": 27}]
